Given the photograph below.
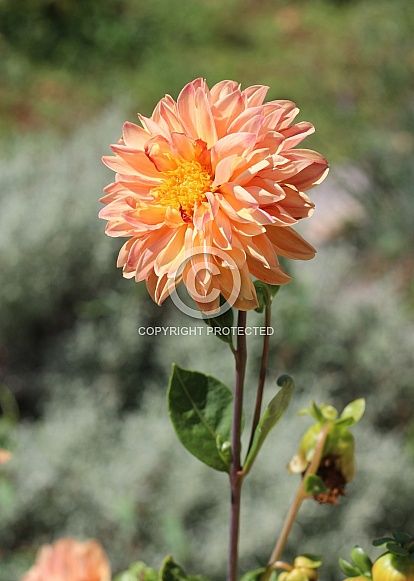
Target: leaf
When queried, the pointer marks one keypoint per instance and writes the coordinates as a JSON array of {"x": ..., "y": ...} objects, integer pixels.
[
  {"x": 397, "y": 549},
  {"x": 313, "y": 484},
  {"x": 381, "y": 541},
  {"x": 138, "y": 572},
  {"x": 270, "y": 417},
  {"x": 265, "y": 294},
  {"x": 402, "y": 537},
  {"x": 316, "y": 413},
  {"x": 348, "y": 569},
  {"x": 221, "y": 322},
  {"x": 200, "y": 408},
  {"x": 354, "y": 411},
  {"x": 254, "y": 575},
  {"x": 361, "y": 560},
  {"x": 170, "y": 571}
]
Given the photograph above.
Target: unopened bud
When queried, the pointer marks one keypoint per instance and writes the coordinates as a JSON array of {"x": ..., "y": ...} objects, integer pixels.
[
  {"x": 304, "y": 568},
  {"x": 337, "y": 465}
]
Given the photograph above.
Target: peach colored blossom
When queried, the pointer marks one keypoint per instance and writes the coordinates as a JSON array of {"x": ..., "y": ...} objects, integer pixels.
[
  {"x": 216, "y": 169},
  {"x": 5, "y": 456},
  {"x": 70, "y": 560}
]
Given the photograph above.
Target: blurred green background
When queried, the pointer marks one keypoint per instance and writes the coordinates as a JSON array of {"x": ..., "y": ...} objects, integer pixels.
[{"x": 82, "y": 394}]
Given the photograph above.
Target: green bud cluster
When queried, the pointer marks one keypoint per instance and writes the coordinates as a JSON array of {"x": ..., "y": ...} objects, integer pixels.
[
  {"x": 359, "y": 567},
  {"x": 338, "y": 455}
]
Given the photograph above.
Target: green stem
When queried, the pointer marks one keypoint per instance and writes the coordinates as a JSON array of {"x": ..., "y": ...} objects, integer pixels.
[
  {"x": 297, "y": 503},
  {"x": 262, "y": 375},
  {"x": 236, "y": 476}
]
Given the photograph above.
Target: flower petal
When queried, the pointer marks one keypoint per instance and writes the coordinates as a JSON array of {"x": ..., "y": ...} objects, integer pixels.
[{"x": 289, "y": 243}]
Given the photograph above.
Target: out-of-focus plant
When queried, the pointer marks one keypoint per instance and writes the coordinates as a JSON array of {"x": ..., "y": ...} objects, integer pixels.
[
  {"x": 8, "y": 419},
  {"x": 396, "y": 564}
]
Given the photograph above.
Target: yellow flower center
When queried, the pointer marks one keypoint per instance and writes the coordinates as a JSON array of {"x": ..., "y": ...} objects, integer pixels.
[{"x": 183, "y": 187}]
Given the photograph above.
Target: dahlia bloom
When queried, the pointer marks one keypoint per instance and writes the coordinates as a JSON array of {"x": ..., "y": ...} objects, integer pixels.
[
  {"x": 211, "y": 183},
  {"x": 70, "y": 560}
]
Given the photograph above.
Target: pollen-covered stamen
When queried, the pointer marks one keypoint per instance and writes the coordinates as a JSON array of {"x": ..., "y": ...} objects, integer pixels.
[{"x": 183, "y": 187}]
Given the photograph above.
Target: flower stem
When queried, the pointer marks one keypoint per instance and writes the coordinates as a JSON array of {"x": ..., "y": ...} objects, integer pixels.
[
  {"x": 236, "y": 475},
  {"x": 297, "y": 502},
  {"x": 262, "y": 375}
]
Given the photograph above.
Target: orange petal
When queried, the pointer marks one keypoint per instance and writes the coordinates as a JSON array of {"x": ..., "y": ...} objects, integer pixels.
[
  {"x": 256, "y": 94},
  {"x": 134, "y": 136},
  {"x": 289, "y": 243},
  {"x": 222, "y": 89},
  {"x": 296, "y": 133},
  {"x": 233, "y": 144}
]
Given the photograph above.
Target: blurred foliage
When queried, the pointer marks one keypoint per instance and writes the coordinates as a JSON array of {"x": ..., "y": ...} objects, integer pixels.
[
  {"x": 349, "y": 65},
  {"x": 94, "y": 454}
]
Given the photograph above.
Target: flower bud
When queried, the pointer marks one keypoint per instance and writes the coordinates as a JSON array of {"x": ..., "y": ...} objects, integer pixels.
[
  {"x": 390, "y": 567},
  {"x": 304, "y": 568},
  {"x": 397, "y": 564},
  {"x": 337, "y": 465}
]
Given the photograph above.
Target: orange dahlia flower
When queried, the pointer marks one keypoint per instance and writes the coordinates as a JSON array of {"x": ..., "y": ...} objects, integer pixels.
[
  {"x": 211, "y": 184},
  {"x": 70, "y": 560}
]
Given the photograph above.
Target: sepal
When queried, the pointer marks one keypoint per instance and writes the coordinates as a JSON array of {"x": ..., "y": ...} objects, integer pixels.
[
  {"x": 220, "y": 322},
  {"x": 360, "y": 565},
  {"x": 171, "y": 571},
  {"x": 265, "y": 294}
]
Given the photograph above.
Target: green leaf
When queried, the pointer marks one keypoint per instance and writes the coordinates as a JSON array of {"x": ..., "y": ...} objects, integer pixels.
[
  {"x": 381, "y": 541},
  {"x": 200, "y": 408},
  {"x": 353, "y": 412},
  {"x": 316, "y": 413},
  {"x": 254, "y": 575},
  {"x": 138, "y": 572},
  {"x": 221, "y": 322},
  {"x": 348, "y": 569},
  {"x": 270, "y": 417},
  {"x": 170, "y": 571},
  {"x": 265, "y": 294},
  {"x": 402, "y": 537},
  {"x": 313, "y": 484},
  {"x": 361, "y": 560},
  {"x": 397, "y": 549}
]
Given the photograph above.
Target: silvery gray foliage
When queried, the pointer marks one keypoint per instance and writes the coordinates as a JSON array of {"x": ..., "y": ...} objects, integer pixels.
[
  {"x": 86, "y": 471},
  {"x": 101, "y": 461}
]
